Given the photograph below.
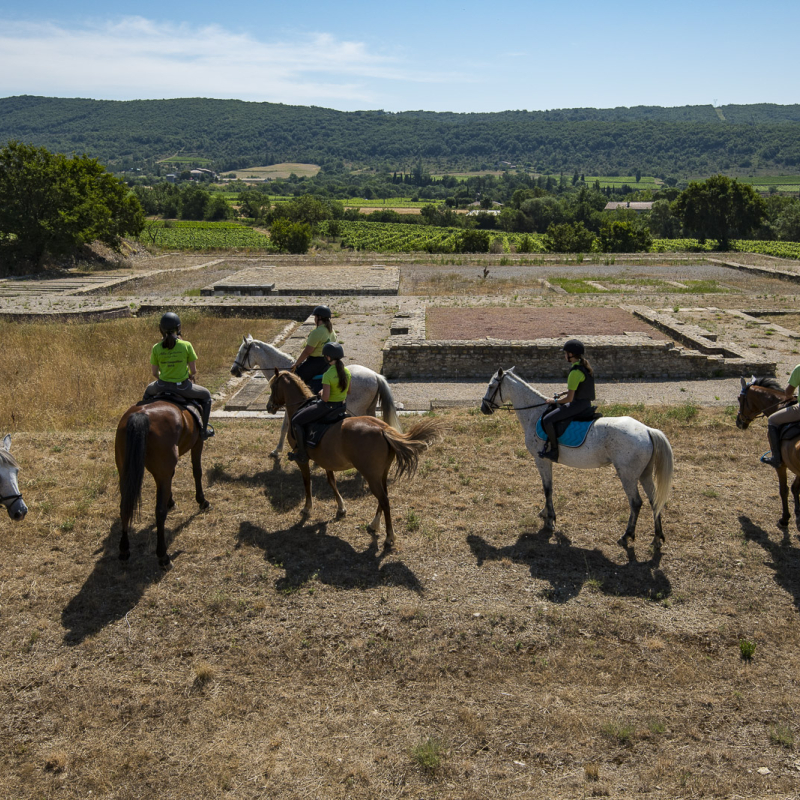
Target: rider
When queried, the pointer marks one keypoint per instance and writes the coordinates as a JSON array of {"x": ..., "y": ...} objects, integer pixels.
[
  {"x": 575, "y": 401},
  {"x": 782, "y": 417},
  {"x": 335, "y": 386},
  {"x": 173, "y": 363},
  {"x": 310, "y": 363}
]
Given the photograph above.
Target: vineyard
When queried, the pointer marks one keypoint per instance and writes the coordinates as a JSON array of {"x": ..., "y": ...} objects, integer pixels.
[
  {"x": 763, "y": 247},
  {"x": 392, "y": 237},
  {"x": 171, "y": 235}
]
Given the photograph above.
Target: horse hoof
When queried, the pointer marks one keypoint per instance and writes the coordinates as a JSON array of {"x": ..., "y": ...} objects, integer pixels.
[
  {"x": 341, "y": 513},
  {"x": 275, "y": 454},
  {"x": 372, "y": 532},
  {"x": 165, "y": 563},
  {"x": 624, "y": 541},
  {"x": 205, "y": 505},
  {"x": 783, "y": 522},
  {"x": 388, "y": 546}
]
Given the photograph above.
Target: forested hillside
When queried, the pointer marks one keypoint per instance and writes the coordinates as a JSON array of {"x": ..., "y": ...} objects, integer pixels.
[{"x": 230, "y": 134}]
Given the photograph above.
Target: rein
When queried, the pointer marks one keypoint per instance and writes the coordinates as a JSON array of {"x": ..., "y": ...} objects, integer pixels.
[
  {"x": 778, "y": 404},
  {"x": 509, "y": 406},
  {"x": 14, "y": 498}
]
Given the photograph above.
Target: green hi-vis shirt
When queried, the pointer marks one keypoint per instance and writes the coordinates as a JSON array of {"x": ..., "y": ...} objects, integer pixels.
[
  {"x": 173, "y": 364},
  {"x": 318, "y": 338},
  {"x": 794, "y": 378},
  {"x": 574, "y": 379},
  {"x": 330, "y": 378}
]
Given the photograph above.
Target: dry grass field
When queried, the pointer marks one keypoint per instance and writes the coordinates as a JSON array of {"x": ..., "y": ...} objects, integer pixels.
[{"x": 481, "y": 660}]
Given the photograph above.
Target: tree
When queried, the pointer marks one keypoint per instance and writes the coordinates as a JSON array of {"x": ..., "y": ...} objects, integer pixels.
[
  {"x": 568, "y": 238},
  {"x": 472, "y": 241},
  {"x": 624, "y": 236},
  {"x": 787, "y": 226},
  {"x": 52, "y": 205},
  {"x": 293, "y": 237},
  {"x": 719, "y": 208},
  {"x": 253, "y": 203},
  {"x": 662, "y": 223}
]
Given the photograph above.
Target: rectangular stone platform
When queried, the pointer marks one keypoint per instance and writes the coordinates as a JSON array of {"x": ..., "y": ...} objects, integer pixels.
[{"x": 313, "y": 280}]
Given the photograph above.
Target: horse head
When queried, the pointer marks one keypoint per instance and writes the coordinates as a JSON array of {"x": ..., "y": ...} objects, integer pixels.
[
  {"x": 241, "y": 362},
  {"x": 758, "y": 396},
  {"x": 494, "y": 392},
  {"x": 10, "y": 495}
]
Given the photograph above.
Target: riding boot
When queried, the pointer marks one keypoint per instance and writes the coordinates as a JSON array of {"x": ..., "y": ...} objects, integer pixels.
[
  {"x": 550, "y": 450},
  {"x": 207, "y": 432},
  {"x": 299, "y": 454},
  {"x": 774, "y": 435}
]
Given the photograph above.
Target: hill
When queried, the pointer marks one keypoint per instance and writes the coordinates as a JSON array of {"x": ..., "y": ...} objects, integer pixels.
[{"x": 231, "y": 134}]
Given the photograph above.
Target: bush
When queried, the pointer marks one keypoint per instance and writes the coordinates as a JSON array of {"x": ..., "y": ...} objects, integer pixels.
[
  {"x": 292, "y": 237},
  {"x": 569, "y": 238},
  {"x": 472, "y": 241}
]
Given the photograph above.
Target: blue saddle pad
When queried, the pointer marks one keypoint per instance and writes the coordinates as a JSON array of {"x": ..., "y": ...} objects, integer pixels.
[{"x": 573, "y": 436}]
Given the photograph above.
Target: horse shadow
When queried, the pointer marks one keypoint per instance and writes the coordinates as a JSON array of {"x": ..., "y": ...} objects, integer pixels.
[
  {"x": 568, "y": 569},
  {"x": 308, "y": 552},
  {"x": 785, "y": 558},
  {"x": 114, "y": 587},
  {"x": 284, "y": 488}
]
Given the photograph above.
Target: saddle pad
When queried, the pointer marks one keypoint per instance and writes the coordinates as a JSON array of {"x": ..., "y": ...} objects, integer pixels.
[{"x": 573, "y": 436}]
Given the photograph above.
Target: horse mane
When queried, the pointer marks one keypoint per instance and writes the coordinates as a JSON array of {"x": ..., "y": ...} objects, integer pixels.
[
  {"x": 767, "y": 383},
  {"x": 295, "y": 379},
  {"x": 7, "y": 459}
]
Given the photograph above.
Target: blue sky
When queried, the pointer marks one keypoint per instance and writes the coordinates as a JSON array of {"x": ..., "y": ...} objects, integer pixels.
[{"x": 437, "y": 56}]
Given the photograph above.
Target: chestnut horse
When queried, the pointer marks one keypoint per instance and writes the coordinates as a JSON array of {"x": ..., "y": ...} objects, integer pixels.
[
  {"x": 154, "y": 437},
  {"x": 765, "y": 396},
  {"x": 366, "y": 443}
]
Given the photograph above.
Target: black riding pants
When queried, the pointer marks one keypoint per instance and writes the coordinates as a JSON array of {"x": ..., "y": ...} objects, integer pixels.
[{"x": 560, "y": 412}]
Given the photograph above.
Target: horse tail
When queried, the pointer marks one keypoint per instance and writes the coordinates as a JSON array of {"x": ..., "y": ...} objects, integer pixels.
[
  {"x": 662, "y": 464},
  {"x": 408, "y": 447},
  {"x": 388, "y": 408},
  {"x": 130, "y": 480}
]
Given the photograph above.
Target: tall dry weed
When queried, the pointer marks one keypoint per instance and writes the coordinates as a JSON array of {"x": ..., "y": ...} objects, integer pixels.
[{"x": 59, "y": 376}]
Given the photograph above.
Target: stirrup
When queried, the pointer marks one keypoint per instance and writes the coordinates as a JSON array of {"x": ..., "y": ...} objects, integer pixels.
[
  {"x": 206, "y": 433},
  {"x": 771, "y": 460},
  {"x": 550, "y": 455},
  {"x": 297, "y": 457}
]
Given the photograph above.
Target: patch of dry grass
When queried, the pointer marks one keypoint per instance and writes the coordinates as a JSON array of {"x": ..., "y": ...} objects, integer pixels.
[
  {"x": 60, "y": 376},
  {"x": 483, "y": 659}
]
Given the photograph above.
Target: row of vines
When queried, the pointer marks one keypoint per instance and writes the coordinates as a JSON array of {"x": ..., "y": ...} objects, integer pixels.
[{"x": 203, "y": 236}]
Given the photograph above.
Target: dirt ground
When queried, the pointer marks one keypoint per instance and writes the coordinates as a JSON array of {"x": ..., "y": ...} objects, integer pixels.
[
  {"x": 483, "y": 659},
  {"x": 525, "y": 324}
]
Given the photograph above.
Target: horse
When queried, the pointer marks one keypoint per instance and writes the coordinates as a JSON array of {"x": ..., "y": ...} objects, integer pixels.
[
  {"x": 639, "y": 454},
  {"x": 365, "y": 443},
  {"x": 153, "y": 437},
  {"x": 10, "y": 495},
  {"x": 366, "y": 386},
  {"x": 766, "y": 396}
]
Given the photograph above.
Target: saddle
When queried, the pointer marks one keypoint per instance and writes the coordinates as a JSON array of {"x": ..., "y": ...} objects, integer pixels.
[
  {"x": 317, "y": 429},
  {"x": 790, "y": 431},
  {"x": 572, "y": 432},
  {"x": 194, "y": 407}
]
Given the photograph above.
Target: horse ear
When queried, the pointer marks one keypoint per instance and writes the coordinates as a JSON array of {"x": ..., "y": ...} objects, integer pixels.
[
  {"x": 277, "y": 372},
  {"x": 249, "y": 337},
  {"x": 500, "y": 373},
  {"x": 511, "y": 369},
  {"x": 744, "y": 383},
  {"x": 753, "y": 379},
  {"x": 7, "y": 442}
]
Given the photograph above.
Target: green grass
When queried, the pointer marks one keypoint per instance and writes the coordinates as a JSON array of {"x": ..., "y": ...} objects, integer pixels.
[{"x": 428, "y": 754}]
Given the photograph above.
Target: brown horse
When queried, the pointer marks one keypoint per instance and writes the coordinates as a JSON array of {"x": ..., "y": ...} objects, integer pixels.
[
  {"x": 366, "y": 443},
  {"x": 154, "y": 437},
  {"x": 765, "y": 396}
]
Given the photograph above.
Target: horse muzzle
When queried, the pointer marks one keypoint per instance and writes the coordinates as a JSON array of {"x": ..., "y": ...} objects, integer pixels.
[
  {"x": 236, "y": 372},
  {"x": 486, "y": 408},
  {"x": 742, "y": 424},
  {"x": 17, "y": 510}
]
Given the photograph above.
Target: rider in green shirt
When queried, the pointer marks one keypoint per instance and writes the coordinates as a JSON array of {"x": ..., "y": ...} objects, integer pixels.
[
  {"x": 310, "y": 363},
  {"x": 790, "y": 413},
  {"x": 173, "y": 363},
  {"x": 335, "y": 386}
]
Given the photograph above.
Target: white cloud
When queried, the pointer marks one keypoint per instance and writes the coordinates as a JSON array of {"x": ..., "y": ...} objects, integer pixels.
[{"x": 138, "y": 58}]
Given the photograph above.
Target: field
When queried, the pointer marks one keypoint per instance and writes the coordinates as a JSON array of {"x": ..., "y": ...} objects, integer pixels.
[
  {"x": 174, "y": 235},
  {"x": 778, "y": 183},
  {"x": 481, "y": 659},
  {"x": 274, "y": 171}
]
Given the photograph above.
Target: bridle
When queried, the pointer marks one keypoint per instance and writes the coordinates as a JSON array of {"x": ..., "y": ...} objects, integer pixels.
[
  {"x": 765, "y": 411},
  {"x": 240, "y": 365},
  {"x": 490, "y": 401},
  {"x": 284, "y": 404},
  {"x": 14, "y": 498}
]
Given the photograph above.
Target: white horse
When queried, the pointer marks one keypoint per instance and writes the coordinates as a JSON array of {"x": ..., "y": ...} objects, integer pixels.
[
  {"x": 366, "y": 386},
  {"x": 639, "y": 454},
  {"x": 9, "y": 489}
]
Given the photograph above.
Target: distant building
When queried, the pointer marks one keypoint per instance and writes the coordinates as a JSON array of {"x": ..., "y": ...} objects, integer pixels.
[
  {"x": 614, "y": 205},
  {"x": 199, "y": 173},
  {"x": 172, "y": 177}
]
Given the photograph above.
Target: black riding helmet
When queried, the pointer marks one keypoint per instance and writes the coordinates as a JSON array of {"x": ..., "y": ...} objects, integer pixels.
[
  {"x": 323, "y": 312},
  {"x": 333, "y": 350},
  {"x": 574, "y": 347},
  {"x": 170, "y": 323}
]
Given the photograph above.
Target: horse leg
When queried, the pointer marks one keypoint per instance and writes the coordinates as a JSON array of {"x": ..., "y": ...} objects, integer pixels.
[
  {"x": 650, "y": 490},
  {"x": 276, "y": 453},
  {"x": 381, "y": 492},
  {"x": 340, "y": 509},
  {"x": 784, "y": 492},
  {"x": 548, "y": 513},
  {"x": 305, "y": 471},
  {"x": 163, "y": 495},
  {"x": 197, "y": 473},
  {"x": 124, "y": 544},
  {"x": 635, "y": 502},
  {"x": 796, "y": 496}
]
